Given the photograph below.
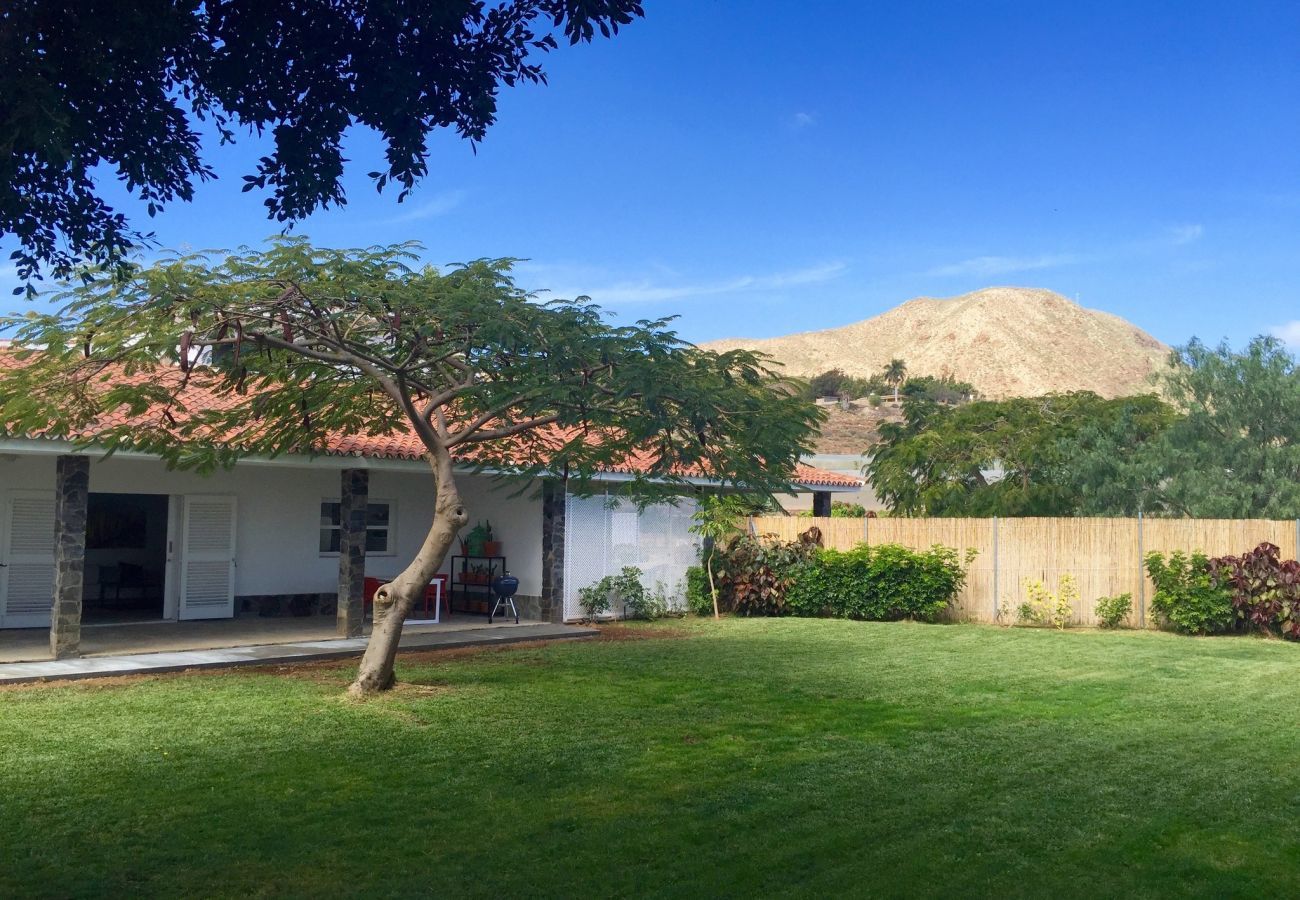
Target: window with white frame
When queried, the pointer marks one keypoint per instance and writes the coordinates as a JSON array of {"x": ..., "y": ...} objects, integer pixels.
[{"x": 379, "y": 527}]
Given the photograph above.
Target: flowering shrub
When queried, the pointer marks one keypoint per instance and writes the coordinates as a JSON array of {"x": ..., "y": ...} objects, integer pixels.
[
  {"x": 755, "y": 573},
  {"x": 1264, "y": 589},
  {"x": 1042, "y": 607}
]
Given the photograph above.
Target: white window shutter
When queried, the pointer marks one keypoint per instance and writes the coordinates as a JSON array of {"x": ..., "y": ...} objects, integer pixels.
[
  {"x": 208, "y": 557},
  {"x": 27, "y": 579}
]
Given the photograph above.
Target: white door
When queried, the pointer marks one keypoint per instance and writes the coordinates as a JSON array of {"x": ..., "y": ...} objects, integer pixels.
[
  {"x": 27, "y": 576},
  {"x": 208, "y": 558}
]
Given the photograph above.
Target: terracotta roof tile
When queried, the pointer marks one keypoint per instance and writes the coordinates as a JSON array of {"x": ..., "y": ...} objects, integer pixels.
[{"x": 399, "y": 446}]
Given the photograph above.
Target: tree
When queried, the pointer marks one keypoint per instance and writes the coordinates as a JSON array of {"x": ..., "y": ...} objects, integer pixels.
[
  {"x": 717, "y": 518},
  {"x": 895, "y": 374},
  {"x": 1017, "y": 457},
  {"x": 828, "y": 384},
  {"x": 129, "y": 86},
  {"x": 1235, "y": 452},
  {"x": 319, "y": 342}
]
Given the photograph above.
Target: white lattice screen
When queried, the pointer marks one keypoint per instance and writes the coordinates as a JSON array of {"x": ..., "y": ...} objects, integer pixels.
[{"x": 601, "y": 539}]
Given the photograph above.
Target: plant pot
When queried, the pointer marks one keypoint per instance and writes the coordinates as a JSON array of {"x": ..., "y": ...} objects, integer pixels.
[{"x": 491, "y": 548}]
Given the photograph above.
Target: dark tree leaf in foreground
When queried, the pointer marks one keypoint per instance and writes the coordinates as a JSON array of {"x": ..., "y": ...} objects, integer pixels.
[{"x": 109, "y": 88}]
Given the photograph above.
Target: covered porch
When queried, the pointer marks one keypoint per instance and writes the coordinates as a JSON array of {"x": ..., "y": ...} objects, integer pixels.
[
  {"x": 107, "y": 556},
  {"x": 30, "y": 644}
]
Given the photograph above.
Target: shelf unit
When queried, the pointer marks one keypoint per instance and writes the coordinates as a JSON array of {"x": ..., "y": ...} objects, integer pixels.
[{"x": 474, "y": 596}]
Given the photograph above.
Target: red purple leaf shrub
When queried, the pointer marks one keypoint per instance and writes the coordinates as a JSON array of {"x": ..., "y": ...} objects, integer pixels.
[{"x": 1265, "y": 589}]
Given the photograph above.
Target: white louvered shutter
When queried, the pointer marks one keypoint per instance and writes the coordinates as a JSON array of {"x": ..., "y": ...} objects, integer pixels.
[
  {"x": 27, "y": 580},
  {"x": 208, "y": 558}
]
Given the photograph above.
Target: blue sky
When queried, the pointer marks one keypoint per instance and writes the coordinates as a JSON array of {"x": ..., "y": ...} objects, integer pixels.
[{"x": 766, "y": 167}]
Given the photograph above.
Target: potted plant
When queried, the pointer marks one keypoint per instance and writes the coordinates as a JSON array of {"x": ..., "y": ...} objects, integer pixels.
[
  {"x": 476, "y": 539},
  {"x": 491, "y": 546}
]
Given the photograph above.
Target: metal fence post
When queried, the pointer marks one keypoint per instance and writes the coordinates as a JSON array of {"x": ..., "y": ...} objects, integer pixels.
[
  {"x": 996, "y": 604},
  {"x": 1142, "y": 576}
]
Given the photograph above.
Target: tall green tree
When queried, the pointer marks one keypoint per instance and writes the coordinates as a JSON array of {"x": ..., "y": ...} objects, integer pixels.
[
  {"x": 323, "y": 342},
  {"x": 1018, "y": 457},
  {"x": 1235, "y": 452},
  {"x": 130, "y": 87},
  {"x": 895, "y": 374}
]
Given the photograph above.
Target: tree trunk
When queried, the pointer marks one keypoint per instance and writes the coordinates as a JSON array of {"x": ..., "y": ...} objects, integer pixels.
[
  {"x": 713, "y": 588},
  {"x": 396, "y": 599}
]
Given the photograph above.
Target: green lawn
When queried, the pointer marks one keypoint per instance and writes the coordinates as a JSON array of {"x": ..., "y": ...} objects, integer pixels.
[{"x": 750, "y": 758}]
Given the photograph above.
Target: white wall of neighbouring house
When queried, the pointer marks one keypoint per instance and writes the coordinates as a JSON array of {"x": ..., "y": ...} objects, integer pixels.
[{"x": 278, "y": 516}]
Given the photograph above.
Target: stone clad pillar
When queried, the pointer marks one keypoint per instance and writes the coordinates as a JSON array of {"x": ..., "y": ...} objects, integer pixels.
[
  {"x": 554, "y": 495},
  {"x": 822, "y": 503},
  {"x": 353, "y": 497},
  {"x": 71, "y": 498}
]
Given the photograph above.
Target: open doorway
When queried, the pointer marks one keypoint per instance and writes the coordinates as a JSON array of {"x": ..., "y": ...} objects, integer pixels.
[{"x": 126, "y": 558}]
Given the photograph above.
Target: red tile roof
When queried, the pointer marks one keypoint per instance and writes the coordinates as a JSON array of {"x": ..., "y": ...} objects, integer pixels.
[{"x": 404, "y": 445}]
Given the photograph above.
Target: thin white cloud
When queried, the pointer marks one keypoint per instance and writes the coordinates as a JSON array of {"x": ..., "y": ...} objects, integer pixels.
[
  {"x": 1004, "y": 265},
  {"x": 648, "y": 291},
  {"x": 989, "y": 266},
  {"x": 802, "y": 120},
  {"x": 1186, "y": 234},
  {"x": 1289, "y": 334},
  {"x": 438, "y": 205}
]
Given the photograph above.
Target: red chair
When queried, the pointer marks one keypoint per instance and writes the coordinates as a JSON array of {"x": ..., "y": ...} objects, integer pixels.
[{"x": 433, "y": 594}]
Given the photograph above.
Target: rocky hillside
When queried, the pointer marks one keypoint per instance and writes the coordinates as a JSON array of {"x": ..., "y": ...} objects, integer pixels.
[{"x": 1006, "y": 341}]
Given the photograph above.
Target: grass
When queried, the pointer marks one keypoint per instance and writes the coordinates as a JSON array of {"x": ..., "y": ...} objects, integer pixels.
[{"x": 747, "y": 758}]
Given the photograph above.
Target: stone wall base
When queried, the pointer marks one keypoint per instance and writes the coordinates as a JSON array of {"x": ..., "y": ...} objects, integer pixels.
[
  {"x": 272, "y": 606},
  {"x": 277, "y": 605}
]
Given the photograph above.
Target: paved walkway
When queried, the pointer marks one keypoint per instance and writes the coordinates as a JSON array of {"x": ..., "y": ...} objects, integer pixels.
[
  {"x": 271, "y": 654},
  {"x": 122, "y": 639}
]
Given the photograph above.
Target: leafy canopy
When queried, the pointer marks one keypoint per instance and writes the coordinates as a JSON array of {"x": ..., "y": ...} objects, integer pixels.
[
  {"x": 102, "y": 88},
  {"x": 1235, "y": 452},
  {"x": 1023, "y": 456},
  {"x": 312, "y": 342},
  {"x": 1226, "y": 445}
]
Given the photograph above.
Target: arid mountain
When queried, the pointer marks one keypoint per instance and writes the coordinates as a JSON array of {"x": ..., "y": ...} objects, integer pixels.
[{"x": 1006, "y": 341}]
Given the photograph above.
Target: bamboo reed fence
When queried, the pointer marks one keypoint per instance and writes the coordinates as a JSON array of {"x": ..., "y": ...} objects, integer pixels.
[{"x": 1104, "y": 555}]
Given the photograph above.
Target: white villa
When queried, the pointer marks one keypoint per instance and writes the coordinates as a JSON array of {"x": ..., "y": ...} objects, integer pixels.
[{"x": 102, "y": 540}]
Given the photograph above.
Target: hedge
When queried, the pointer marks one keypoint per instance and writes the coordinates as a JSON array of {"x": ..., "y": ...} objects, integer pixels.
[{"x": 885, "y": 582}]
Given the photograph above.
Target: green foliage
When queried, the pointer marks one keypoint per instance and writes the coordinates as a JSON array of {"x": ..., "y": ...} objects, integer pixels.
[
  {"x": 894, "y": 374},
  {"x": 1045, "y": 608},
  {"x": 947, "y": 390},
  {"x": 650, "y": 604},
  {"x": 880, "y": 583},
  {"x": 1188, "y": 597},
  {"x": 613, "y": 592},
  {"x": 1226, "y": 445},
  {"x": 125, "y": 91},
  {"x": 326, "y": 342},
  {"x": 1016, "y": 457},
  {"x": 835, "y": 383},
  {"x": 1113, "y": 612},
  {"x": 1265, "y": 589},
  {"x": 1235, "y": 452},
  {"x": 699, "y": 600},
  {"x": 841, "y": 509},
  {"x": 755, "y": 573}
]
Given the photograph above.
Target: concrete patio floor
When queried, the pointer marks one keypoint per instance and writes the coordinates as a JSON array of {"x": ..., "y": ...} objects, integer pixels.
[
  {"x": 33, "y": 644},
  {"x": 417, "y": 638}
]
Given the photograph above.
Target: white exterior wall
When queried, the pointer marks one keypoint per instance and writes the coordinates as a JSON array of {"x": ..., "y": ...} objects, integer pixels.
[
  {"x": 601, "y": 539},
  {"x": 278, "y": 524}
]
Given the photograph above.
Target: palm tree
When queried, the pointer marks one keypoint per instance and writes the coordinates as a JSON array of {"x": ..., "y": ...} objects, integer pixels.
[{"x": 895, "y": 375}]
